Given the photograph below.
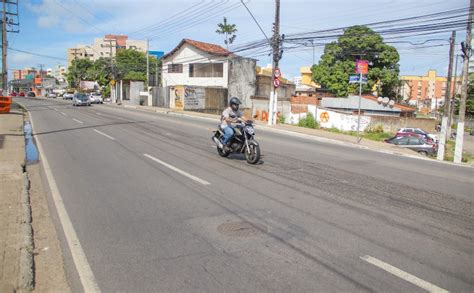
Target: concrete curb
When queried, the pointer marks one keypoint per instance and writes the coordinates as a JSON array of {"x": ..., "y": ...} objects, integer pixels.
[{"x": 26, "y": 278}]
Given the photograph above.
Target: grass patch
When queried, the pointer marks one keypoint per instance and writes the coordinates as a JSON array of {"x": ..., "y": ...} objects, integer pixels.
[{"x": 449, "y": 154}]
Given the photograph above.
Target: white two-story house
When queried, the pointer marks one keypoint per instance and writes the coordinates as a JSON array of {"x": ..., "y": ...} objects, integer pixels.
[
  {"x": 204, "y": 69},
  {"x": 196, "y": 63}
]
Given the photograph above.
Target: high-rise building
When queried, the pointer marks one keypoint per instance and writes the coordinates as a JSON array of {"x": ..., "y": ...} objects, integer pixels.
[
  {"x": 428, "y": 91},
  {"x": 105, "y": 47}
]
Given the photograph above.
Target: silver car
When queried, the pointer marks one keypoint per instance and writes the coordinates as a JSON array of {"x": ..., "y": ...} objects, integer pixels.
[{"x": 81, "y": 99}]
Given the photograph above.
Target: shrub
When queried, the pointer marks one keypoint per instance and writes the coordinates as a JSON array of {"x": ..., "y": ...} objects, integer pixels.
[
  {"x": 308, "y": 121},
  {"x": 281, "y": 119}
]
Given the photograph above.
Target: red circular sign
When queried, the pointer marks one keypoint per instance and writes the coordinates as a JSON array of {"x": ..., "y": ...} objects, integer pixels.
[{"x": 276, "y": 82}]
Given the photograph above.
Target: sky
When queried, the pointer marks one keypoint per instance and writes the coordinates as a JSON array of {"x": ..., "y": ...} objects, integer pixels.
[{"x": 49, "y": 27}]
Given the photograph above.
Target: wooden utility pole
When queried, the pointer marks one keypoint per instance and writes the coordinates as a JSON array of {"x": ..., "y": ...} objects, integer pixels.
[
  {"x": 272, "y": 105},
  {"x": 447, "y": 101},
  {"x": 465, "y": 79}
]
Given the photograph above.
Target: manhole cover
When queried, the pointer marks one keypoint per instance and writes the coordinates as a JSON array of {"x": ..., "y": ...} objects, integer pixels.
[{"x": 241, "y": 229}]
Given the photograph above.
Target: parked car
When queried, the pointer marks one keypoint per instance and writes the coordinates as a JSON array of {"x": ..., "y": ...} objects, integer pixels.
[
  {"x": 13, "y": 94},
  {"x": 68, "y": 96},
  {"x": 419, "y": 131},
  {"x": 21, "y": 94},
  {"x": 30, "y": 94},
  {"x": 425, "y": 137},
  {"x": 81, "y": 99},
  {"x": 417, "y": 144},
  {"x": 96, "y": 98},
  {"x": 51, "y": 95}
]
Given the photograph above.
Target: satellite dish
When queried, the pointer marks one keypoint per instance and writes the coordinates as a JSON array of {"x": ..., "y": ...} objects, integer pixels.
[
  {"x": 379, "y": 99},
  {"x": 391, "y": 103},
  {"x": 385, "y": 100}
]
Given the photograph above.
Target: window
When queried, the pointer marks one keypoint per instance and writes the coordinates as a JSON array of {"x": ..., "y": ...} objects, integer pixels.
[
  {"x": 206, "y": 70},
  {"x": 402, "y": 141},
  {"x": 414, "y": 141},
  {"x": 175, "y": 68}
]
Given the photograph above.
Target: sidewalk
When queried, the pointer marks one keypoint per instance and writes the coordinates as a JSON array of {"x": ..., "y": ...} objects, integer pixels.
[
  {"x": 30, "y": 252},
  {"x": 12, "y": 152},
  {"x": 317, "y": 134}
]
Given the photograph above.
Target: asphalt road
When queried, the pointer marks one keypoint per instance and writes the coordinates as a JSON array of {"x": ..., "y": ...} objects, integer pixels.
[{"x": 156, "y": 209}]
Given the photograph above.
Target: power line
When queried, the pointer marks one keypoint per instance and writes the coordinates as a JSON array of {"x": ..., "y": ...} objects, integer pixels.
[{"x": 78, "y": 17}]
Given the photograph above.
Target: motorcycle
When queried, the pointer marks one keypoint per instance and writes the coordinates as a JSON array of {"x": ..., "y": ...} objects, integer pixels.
[{"x": 243, "y": 141}]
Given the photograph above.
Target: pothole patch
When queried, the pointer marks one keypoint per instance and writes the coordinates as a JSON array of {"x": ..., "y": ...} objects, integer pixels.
[{"x": 241, "y": 229}]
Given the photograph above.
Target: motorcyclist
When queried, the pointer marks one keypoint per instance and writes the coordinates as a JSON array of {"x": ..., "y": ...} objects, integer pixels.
[{"x": 230, "y": 115}]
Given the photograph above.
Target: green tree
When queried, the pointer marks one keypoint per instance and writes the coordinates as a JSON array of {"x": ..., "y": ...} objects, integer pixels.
[
  {"x": 338, "y": 62},
  {"x": 79, "y": 70},
  {"x": 131, "y": 65},
  {"x": 228, "y": 30}
]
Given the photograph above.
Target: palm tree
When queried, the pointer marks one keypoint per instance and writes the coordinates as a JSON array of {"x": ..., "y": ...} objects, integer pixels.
[{"x": 228, "y": 30}]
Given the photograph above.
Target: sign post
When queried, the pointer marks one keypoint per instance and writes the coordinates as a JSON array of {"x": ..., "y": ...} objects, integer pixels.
[{"x": 362, "y": 67}]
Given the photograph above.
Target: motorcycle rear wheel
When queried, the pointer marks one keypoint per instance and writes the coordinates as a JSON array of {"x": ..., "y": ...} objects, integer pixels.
[{"x": 253, "y": 156}]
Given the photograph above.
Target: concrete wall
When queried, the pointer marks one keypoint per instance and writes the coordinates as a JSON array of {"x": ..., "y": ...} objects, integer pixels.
[
  {"x": 260, "y": 109},
  {"x": 392, "y": 124},
  {"x": 135, "y": 88},
  {"x": 242, "y": 80},
  {"x": 188, "y": 54},
  {"x": 160, "y": 97},
  {"x": 265, "y": 85}
]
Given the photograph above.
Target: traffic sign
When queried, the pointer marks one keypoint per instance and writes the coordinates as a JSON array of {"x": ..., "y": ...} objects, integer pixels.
[
  {"x": 362, "y": 66},
  {"x": 276, "y": 82},
  {"x": 277, "y": 72},
  {"x": 355, "y": 79}
]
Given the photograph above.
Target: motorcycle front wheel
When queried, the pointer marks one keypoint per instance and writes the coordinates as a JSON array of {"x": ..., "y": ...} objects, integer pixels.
[
  {"x": 252, "y": 155},
  {"x": 222, "y": 153}
]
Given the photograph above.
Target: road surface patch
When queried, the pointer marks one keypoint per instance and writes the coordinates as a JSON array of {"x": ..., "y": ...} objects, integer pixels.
[
  {"x": 83, "y": 268},
  {"x": 241, "y": 229},
  {"x": 403, "y": 275},
  {"x": 177, "y": 170},
  {"x": 78, "y": 121}
]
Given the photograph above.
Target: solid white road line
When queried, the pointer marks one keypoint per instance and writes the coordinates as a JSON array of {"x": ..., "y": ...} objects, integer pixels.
[
  {"x": 78, "y": 121},
  {"x": 79, "y": 257},
  {"x": 203, "y": 182},
  {"x": 403, "y": 275},
  {"x": 97, "y": 113},
  {"x": 106, "y": 135},
  {"x": 64, "y": 114}
]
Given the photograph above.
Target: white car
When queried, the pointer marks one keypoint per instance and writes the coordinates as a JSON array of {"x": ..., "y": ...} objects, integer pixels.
[
  {"x": 51, "y": 95},
  {"x": 81, "y": 99},
  {"x": 96, "y": 98},
  {"x": 68, "y": 96}
]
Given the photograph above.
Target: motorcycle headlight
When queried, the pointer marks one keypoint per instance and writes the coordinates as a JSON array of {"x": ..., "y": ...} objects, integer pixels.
[{"x": 249, "y": 130}]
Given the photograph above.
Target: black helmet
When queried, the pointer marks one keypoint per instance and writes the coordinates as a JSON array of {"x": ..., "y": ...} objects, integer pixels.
[{"x": 234, "y": 103}]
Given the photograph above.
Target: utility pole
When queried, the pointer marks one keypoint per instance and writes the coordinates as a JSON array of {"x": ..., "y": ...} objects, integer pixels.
[
  {"x": 9, "y": 18},
  {"x": 272, "y": 105},
  {"x": 147, "y": 64},
  {"x": 447, "y": 101},
  {"x": 112, "y": 68},
  {"x": 41, "y": 75},
  {"x": 465, "y": 79},
  {"x": 453, "y": 99},
  {"x": 4, "y": 48}
]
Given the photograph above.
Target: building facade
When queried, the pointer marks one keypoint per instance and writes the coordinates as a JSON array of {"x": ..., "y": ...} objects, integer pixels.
[
  {"x": 193, "y": 69},
  {"x": 427, "y": 92},
  {"x": 105, "y": 47}
]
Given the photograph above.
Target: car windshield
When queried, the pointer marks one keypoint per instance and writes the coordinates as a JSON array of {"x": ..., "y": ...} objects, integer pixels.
[{"x": 81, "y": 97}]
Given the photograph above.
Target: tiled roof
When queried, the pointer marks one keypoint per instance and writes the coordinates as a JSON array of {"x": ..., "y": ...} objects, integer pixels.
[{"x": 212, "y": 49}]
